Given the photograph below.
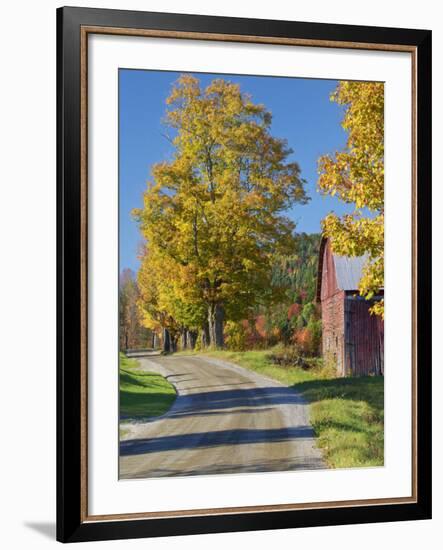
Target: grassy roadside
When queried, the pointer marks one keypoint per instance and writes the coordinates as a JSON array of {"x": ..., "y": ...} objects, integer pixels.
[
  {"x": 346, "y": 413},
  {"x": 142, "y": 394}
]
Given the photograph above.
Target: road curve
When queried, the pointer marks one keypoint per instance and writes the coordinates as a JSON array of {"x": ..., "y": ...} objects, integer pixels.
[{"x": 225, "y": 419}]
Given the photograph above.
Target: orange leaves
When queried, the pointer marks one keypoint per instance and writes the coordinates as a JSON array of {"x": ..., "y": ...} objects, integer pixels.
[
  {"x": 305, "y": 341},
  {"x": 260, "y": 325},
  {"x": 294, "y": 311}
]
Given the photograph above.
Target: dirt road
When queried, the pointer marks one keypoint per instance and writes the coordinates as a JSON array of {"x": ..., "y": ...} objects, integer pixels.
[{"x": 225, "y": 419}]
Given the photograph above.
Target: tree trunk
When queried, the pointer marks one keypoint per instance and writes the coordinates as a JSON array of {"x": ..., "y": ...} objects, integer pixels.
[
  {"x": 205, "y": 337},
  {"x": 192, "y": 338},
  {"x": 216, "y": 318},
  {"x": 184, "y": 343},
  {"x": 174, "y": 343},
  {"x": 166, "y": 341}
]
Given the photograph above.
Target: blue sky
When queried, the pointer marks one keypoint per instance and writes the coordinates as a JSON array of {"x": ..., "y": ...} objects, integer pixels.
[{"x": 302, "y": 114}]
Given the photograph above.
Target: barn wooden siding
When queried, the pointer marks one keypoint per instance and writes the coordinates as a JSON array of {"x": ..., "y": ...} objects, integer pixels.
[
  {"x": 364, "y": 338},
  {"x": 333, "y": 331},
  {"x": 332, "y": 307},
  {"x": 351, "y": 336}
]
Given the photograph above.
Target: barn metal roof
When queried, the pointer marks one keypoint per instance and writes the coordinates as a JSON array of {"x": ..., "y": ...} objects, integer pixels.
[{"x": 349, "y": 270}]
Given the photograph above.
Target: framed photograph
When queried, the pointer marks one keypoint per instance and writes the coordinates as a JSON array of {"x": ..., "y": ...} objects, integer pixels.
[{"x": 244, "y": 274}]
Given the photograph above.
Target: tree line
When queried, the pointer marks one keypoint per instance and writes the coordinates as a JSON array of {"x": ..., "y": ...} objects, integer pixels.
[
  {"x": 292, "y": 317},
  {"x": 213, "y": 216},
  {"x": 133, "y": 333},
  {"x": 221, "y": 263}
]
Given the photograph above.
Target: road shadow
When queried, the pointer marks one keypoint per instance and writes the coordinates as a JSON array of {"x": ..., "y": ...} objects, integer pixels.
[
  {"x": 187, "y": 405},
  {"x": 258, "y": 466},
  {"x": 219, "y": 402},
  {"x": 213, "y": 439}
]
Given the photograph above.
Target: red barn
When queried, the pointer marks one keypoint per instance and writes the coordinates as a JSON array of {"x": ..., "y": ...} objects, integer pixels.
[{"x": 351, "y": 336}]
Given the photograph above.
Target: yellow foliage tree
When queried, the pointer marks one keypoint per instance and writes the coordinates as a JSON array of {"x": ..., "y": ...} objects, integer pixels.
[
  {"x": 168, "y": 301},
  {"x": 215, "y": 209},
  {"x": 356, "y": 176}
]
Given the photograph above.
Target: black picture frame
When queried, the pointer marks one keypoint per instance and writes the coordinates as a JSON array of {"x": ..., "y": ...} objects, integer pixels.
[{"x": 72, "y": 526}]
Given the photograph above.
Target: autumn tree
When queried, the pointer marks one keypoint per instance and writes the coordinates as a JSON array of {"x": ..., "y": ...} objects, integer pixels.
[
  {"x": 356, "y": 176},
  {"x": 214, "y": 211},
  {"x": 133, "y": 334},
  {"x": 167, "y": 302},
  {"x": 154, "y": 311}
]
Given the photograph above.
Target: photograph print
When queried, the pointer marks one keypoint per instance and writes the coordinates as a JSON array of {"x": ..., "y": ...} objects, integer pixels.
[{"x": 251, "y": 274}]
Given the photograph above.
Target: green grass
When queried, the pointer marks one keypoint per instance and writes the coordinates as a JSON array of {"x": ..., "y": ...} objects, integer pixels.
[
  {"x": 348, "y": 416},
  {"x": 346, "y": 413},
  {"x": 142, "y": 394}
]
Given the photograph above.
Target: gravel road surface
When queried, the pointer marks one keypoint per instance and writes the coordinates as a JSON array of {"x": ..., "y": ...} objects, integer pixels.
[{"x": 225, "y": 419}]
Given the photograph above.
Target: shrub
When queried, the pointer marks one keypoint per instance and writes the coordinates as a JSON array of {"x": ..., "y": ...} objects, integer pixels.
[
  {"x": 303, "y": 340},
  {"x": 314, "y": 325},
  {"x": 308, "y": 311},
  {"x": 289, "y": 357},
  {"x": 235, "y": 336},
  {"x": 199, "y": 342},
  {"x": 294, "y": 311}
]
